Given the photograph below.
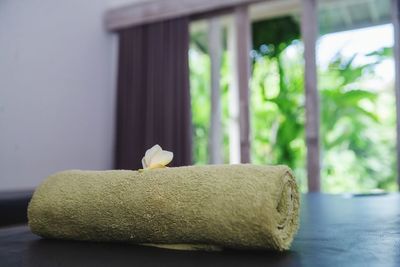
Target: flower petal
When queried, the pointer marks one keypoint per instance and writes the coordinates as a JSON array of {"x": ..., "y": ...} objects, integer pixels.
[
  {"x": 161, "y": 158},
  {"x": 144, "y": 163},
  {"x": 156, "y": 166},
  {"x": 150, "y": 154}
]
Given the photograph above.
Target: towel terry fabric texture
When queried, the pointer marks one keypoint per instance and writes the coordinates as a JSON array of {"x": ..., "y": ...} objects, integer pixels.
[{"x": 196, "y": 207}]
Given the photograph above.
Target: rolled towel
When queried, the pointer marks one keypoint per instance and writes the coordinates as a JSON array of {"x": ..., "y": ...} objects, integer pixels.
[{"x": 196, "y": 207}]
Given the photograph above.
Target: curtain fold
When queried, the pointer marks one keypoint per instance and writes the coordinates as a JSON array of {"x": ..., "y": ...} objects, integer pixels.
[{"x": 153, "y": 99}]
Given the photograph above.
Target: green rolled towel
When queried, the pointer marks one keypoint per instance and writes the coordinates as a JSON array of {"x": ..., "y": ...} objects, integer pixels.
[{"x": 196, "y": 207}]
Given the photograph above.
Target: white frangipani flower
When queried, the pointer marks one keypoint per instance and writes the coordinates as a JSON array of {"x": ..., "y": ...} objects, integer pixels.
[{"x": 155, "y": 157}]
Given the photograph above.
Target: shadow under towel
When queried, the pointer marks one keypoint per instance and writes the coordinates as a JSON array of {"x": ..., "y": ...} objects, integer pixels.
[{"x": 196, "y": 207}]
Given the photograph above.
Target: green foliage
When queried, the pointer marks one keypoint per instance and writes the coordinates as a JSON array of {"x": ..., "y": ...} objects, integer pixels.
[
  {"x": 271, "y": 37},
  {"x": 277, "y": 101},
  {"x": 200, "y": 95},
  {"x": 358, "y": 141},
  {"x": 357, "y": 121},
  {"x": 281, "y": 115}
]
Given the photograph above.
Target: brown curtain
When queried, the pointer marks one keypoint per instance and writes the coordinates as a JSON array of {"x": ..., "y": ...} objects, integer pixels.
[{"x": 153, "y": 105}]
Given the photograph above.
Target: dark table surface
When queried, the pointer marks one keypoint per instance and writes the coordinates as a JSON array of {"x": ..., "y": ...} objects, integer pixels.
[
  {"x": 13, "y": 207},
  {"x": 334, "y": 231}
]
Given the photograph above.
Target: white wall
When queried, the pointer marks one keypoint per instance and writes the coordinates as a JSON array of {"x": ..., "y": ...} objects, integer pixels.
[{"x": 57, "y": 89}]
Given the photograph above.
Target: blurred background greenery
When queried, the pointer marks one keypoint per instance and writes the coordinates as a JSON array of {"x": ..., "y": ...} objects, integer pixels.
[{"x": 357, "y": 119}]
